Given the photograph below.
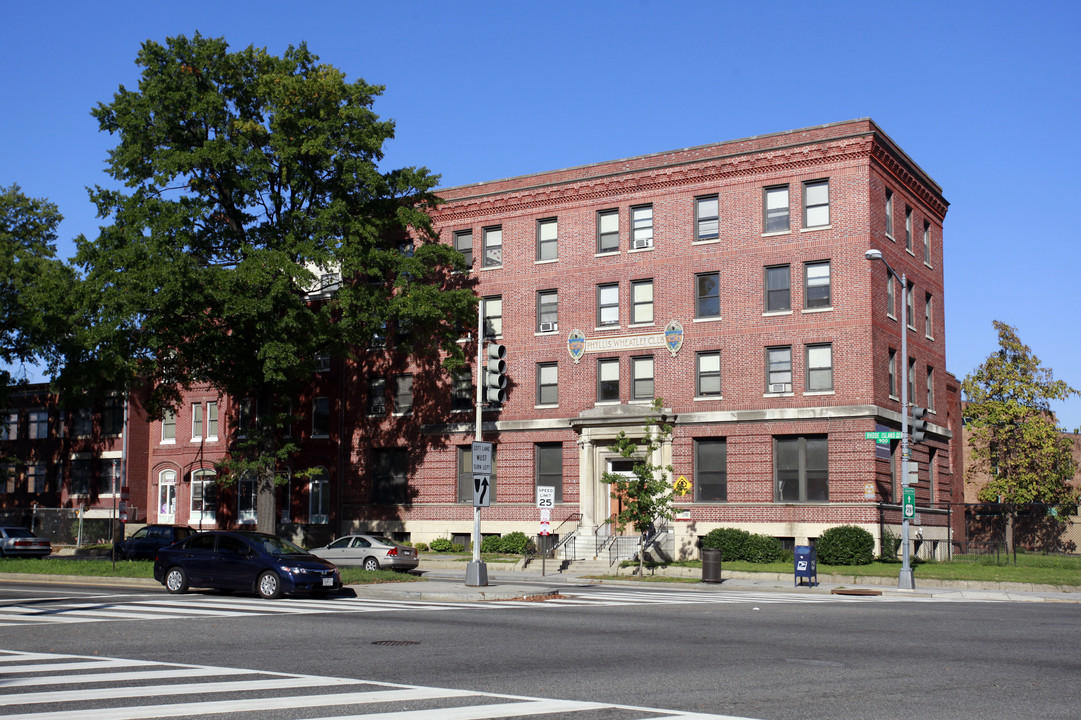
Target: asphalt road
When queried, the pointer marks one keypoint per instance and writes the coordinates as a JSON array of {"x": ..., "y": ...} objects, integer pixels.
[{"x": 769, "y": 657}]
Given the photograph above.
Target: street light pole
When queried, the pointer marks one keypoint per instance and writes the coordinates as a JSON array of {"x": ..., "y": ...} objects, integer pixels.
[{"x": 905, "y": 581}]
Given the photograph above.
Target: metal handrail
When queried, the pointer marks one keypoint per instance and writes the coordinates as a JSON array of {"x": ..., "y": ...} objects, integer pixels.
[
  {"x": 618, "y": 545},
  {"x": 567, "y": 540}
]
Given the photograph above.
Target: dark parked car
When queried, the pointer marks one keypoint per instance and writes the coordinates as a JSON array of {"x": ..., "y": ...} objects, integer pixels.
[
  {"x": 20, "y": 542},
  {"x": 145, "y": 541},
  {"x": 246, "y": 561},
  {"x": 370, "y": 552}
]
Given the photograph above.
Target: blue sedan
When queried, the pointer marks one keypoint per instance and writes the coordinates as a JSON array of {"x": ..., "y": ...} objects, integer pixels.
[{"x": 245, "y": 561}]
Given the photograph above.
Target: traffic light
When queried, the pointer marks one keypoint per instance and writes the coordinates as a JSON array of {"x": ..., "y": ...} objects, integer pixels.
[
  {"x": 495, "y": 374},
  {"x": 919, "y": 424}
]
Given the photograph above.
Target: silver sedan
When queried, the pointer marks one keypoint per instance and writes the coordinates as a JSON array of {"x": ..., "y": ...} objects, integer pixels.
[
  {"x": 17, "y": 541},
  {"x": 370, "y": 552}
]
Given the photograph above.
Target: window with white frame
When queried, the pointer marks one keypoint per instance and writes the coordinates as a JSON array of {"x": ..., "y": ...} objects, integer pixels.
[
  {"x": 778, "y": 288},
  {"x": 820, "y": 367},
  {"x": 927, "y": 242},
  {"x": 641, "y": 302},
  {"x": 891, "y": 296},
  {"x": 908, "y": 228},
  {"x": 910, "y": 305},
  {"x": 889, "y": 213},
  {"x": 493, "y": 316},
  {"x": 608, "y": 380},
  {"x": 168, "y": 427},
  {"x": 775, "y": 209},
  {"x": 893, "y": 373},
  {"x": 779, "y": 369},
  {"x": 706, "y": 218},
  {"x": 197, "y": 421},
  {"x": 816, "y": 285},
  {"x": 547, "y": 311},
  {"x": 463, "y": 243},
  {"x": 930, "y": 388},
  {"x": 641, "y": 227},
  {"x": 816, "y": 203},
  {"x": 707, "y": 295},
  {"x": 547, "y": 383},
  {"x": 37, "y": 424},
  {"x": 547, "y": 239},
  {"x": 403, "y": 394},
  {"x": 929, "y": 316},
  {"x": 493, "y": 246},
  {"x": 319, "y": 497},
  {"x": 204, "y": 496},
  {"x": 212, "y": 420},
  {"x": 247, "y": 500},
  {"x": 607, "y": 305},
  {"x": 642, "y": 378},
  {"x": 607, "y": 231},
  {"x": 708, "y": 373},
  {"x": 377, "y": 396}
]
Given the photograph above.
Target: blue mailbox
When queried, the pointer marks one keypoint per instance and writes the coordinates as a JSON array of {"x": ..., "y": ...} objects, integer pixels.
[{"x": 806, "y": 564}]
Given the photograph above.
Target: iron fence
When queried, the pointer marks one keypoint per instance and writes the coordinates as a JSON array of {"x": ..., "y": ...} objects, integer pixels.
[{"x": 1003, "y": 533}]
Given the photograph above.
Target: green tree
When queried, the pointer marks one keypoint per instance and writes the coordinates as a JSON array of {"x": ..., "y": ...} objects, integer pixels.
[
  {"x": 255, "y": 232},
  {"x": 33, "y": 282},
  {"x": 646, "y": 494},
  {"x": 1014, "y": 438}
]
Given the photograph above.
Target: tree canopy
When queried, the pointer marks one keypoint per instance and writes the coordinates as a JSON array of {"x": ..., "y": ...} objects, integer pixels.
[
  {"x": 254, "y": 232},
  {"x": 1015, "y": 440}
]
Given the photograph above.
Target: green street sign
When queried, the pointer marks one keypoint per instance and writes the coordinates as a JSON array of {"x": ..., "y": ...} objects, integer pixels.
[
  {"x": 908, "y": 502},
  {"x": 882, "y": 435}
]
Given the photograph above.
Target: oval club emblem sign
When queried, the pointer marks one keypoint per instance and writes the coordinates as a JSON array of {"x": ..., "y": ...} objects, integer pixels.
[{"x": 576, "y": 344}]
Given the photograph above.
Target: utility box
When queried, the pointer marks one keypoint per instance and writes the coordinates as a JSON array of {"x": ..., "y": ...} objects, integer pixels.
[
  {"x": 806, "y": 564},
  {"x": 711, "y": 565}
]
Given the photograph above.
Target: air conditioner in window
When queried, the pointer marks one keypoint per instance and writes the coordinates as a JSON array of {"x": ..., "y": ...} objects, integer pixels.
[
  {"x": 780, "y": 388},
  {"x": 642, "y": 243},
  {"x": 548, "y": 327},
  {"x": 378, "y": 408}
]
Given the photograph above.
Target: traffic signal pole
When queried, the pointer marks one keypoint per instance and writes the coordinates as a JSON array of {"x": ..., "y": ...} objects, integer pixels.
[{"x": 476, "y": 572}]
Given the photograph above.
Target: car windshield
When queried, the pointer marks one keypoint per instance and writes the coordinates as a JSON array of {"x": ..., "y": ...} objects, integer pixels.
[
  {"x": 276, "y": 546},
  {"x": 19, "y": 532}
]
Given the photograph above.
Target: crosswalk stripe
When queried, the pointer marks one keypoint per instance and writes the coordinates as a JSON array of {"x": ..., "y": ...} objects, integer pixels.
[
  {"x": 485, "y": 712},
  {"x": 121, "y": 677}
]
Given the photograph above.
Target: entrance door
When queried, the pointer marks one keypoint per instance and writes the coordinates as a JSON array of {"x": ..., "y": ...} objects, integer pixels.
[
  {"x": 167, "y": 498},
  {"x": 615, "y": 504}
]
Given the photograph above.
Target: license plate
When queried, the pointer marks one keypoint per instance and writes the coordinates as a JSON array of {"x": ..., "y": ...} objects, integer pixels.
[{"x": 328, "y": 582}]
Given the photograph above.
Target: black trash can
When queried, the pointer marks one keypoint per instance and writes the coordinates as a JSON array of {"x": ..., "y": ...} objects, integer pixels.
[{"x": 711, "y": 565}]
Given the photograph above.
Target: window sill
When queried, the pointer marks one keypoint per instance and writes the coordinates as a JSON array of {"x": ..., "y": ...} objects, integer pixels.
[
  {"x": 777, "y": 233},
  {"x": 707, "y": 398},
  {"x": 169, "y": 442},
  {"x": 809, "y": 393},
  {"x": 606, "y": 253},
  {"x": 816, "y": 228},
  {"x": 712, "y": 241},
  {"x": 808, "y": 311},
  {"x": 599, "y": 403},
  {"x": 928, "y": 265},
  {"x": 319, "y": 437},
  {"x": 707, "y": 319},
  {"x": 491, "y": 267},
  {"x": 634, "y": 326},
  {"x": 607, "y": 328},
  {"x": 778, "y": 395},
  {"x": 930, "y": 337},
  {"x": 546, "y": 262},
  {"x": 546, "y": 407},
  {"x": 891, "y": 317},
  {"x": 640, "y": 250},
  {"x": 546, "y": 334},
  {"x": 910, "y": 251},
  {"x": 895, "y": 398},
  {"x": 890, "y": 237},
  {"x": 776, "y": 313}
]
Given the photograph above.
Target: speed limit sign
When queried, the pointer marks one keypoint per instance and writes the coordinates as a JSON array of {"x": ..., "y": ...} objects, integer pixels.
[{"x": 546, "y": 496}]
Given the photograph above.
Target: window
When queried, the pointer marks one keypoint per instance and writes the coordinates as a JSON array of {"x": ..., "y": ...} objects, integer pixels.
[
  {"x": 109, "y": 478},
  {"x": 549, "y": 466},
  {"x": 8, "y": 478},
  {"x": 707, "y": 295},
  {"x": 775, "y": 209},
  {"x": 390, "y": 476},
  {"x": 641, "y": 302},
  {"x": 462, "y": 394},
  {"x": 711, "y": 470},
  {"x": 706, "y": 218},
  {"x": 204, "y": 496},
  {"x": 889, "y": 214},
  {"x": 607, "y": 305},
  {"x": 463, "y": 243},
  {"x": 641, "y": 227},
  {"x": 911, "y": 379},
  {"x": 930, "y": 388},
  {"x": 37, "y": 424},
  {"x": 212, "y": 421},
  {"x": 927, "y": 242},
  {"x": 83, "y": 424},
  {"x": 112, "y": 417},
  {"x": 319, "y": 497},
  {"x": 910, "y": 305},
  {"x": 465, "y": 474},
  {"x": 608, "y": 380},
  {"x": 816, "y": 285},
  {"x": 779, "y": 369},
  {"x": 891, "y": 296},
  {"x": 607, "y": 231},
  {"x": 547, "y": 239},
  {"x": 167, "y": 496},
  {"x": 819, "y": 368},
  {"x": 816, "y": 203},
  {"x": 547, "y": 311},
  {"x": 322, "y": 363},
  {"x": 929, "y": 316},
  {"x": 547, "y": 383},
  {"x": 81, "y": 472},
  {"x": 247, "y": 495},
  {"x": 329, "y": 283},
  {"x": 778, "y": 289},
  {"x": 9, "y": 427},
  {"x": 642, "y": 378},
  {"x": 932, "y": 472},
  {"x": 493, "y": 316},
  {"x": 36, "y": 478},
  {"x": 321, "y": 417},
  {"x": 908, "y": 228},
  {"x": 168, "y": 427},
  {"x": 708, "y": 374},
  {"x": 197, "y": 421},
  {"x": 893, "y": 373},
  {"x": 403, "y": 393},
  {"x": 377, "y": 396},
  {"x": 801, "y": 469},
  {"x": 493, "y": 246}
]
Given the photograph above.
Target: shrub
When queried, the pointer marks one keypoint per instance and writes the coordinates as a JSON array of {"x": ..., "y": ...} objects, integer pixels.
[
  {"x": 890, "y": 545},
  {"x": 730, "y": 541},
  {"x": 441, "y": 545},
  {"x": 762, "y": 549},
  {"x": 845, "y": 545},
  {"x": 421, "y": 547},
  {"x": 457, "y": 548},
  {"x": 516, "y": 543},
  {"x": 491, "y": 544}
]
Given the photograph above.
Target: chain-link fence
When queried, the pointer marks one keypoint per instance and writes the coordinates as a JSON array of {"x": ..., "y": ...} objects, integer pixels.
[
  {"x": 1011, "y": 534},
  {"x": 62, "y": 526}
]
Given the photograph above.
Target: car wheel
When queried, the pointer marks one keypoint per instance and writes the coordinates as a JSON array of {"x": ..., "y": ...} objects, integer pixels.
[
  {"x": 371, "y": 564},
  {"x": 176, "y": 580},
  {"x": 269, "y": 585}
]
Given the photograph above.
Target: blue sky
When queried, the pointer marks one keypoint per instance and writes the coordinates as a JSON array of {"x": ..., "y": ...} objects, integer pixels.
[{"x": 983, "y": 95}]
